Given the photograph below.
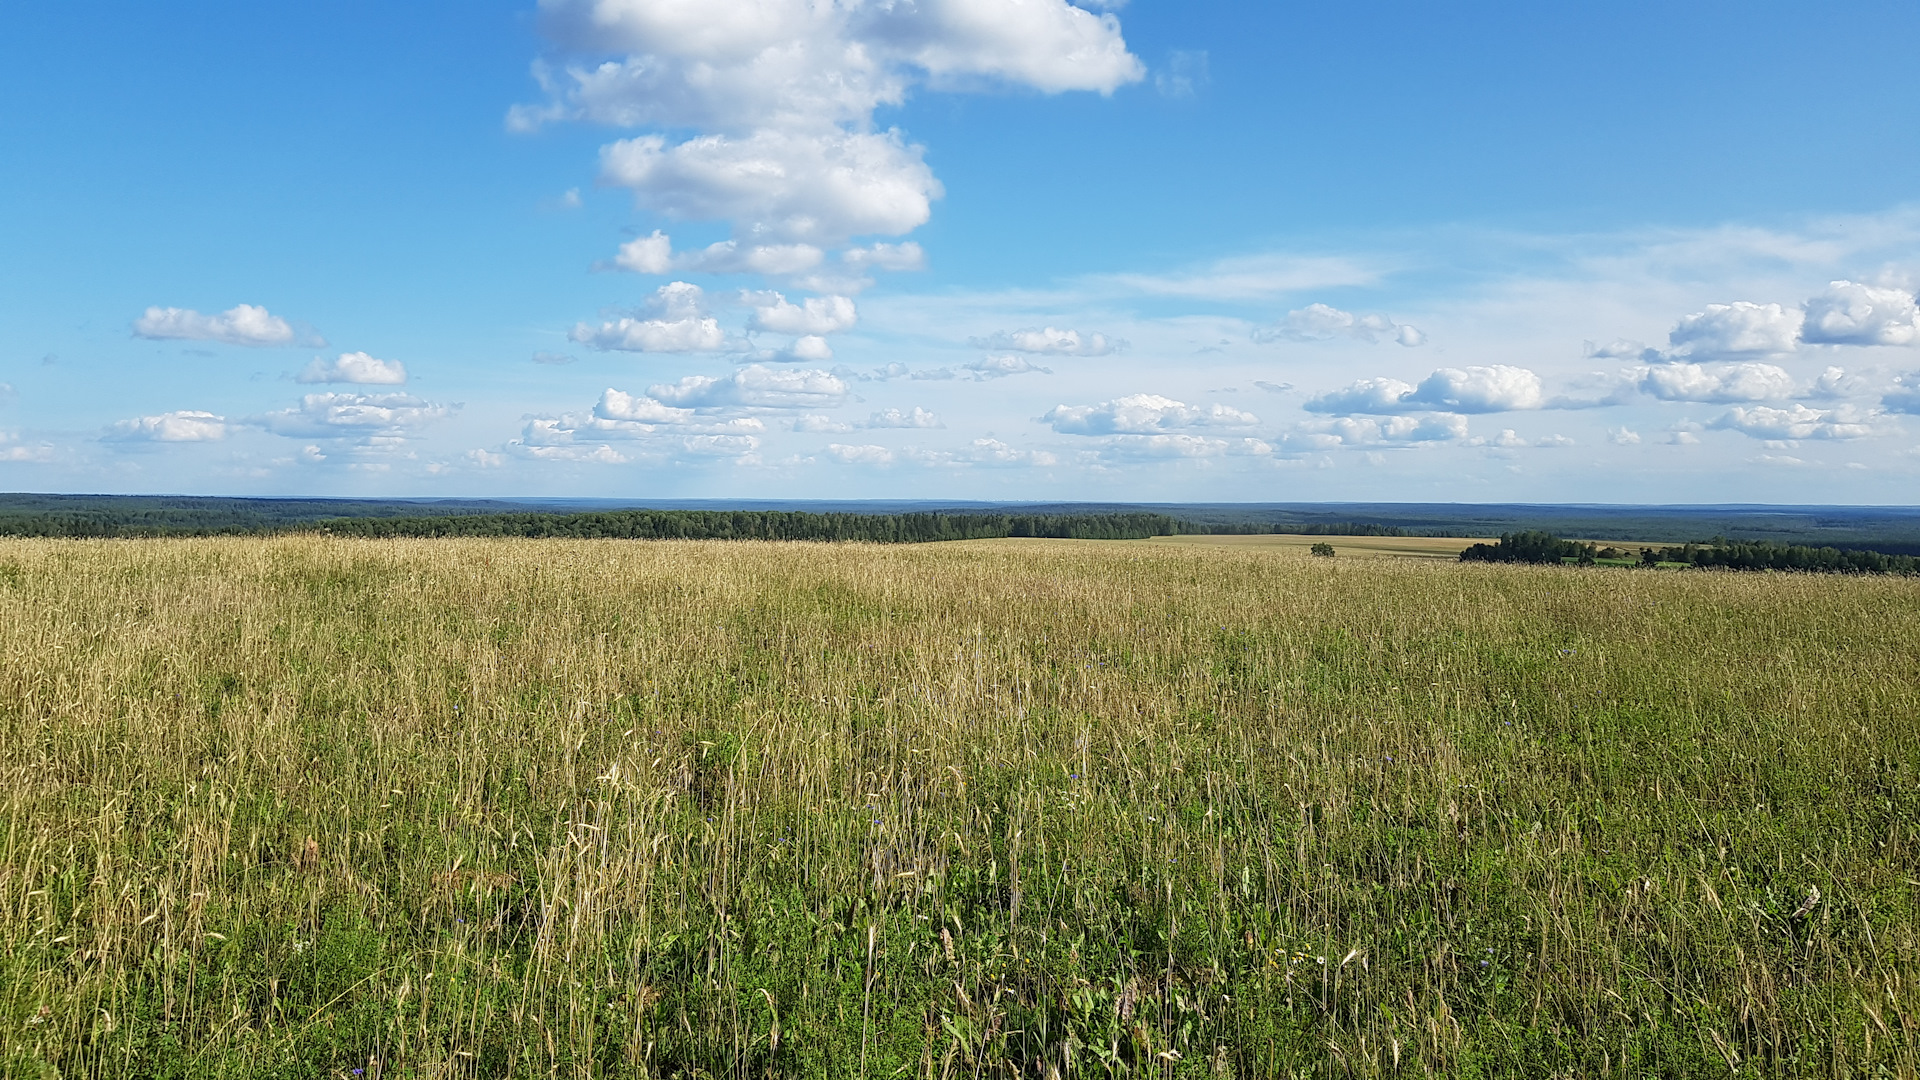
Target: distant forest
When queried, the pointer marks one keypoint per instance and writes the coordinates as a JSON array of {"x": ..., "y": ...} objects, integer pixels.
[
  {"x": 159, "y": 517},
  {"x": 1718, "y": 553}
]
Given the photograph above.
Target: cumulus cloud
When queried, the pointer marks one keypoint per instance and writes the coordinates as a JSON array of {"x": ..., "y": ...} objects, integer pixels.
[
  {"x": 343, "y": 415},
  {"x": 646, "y": 254},
  {"x": 1795, "y": 422},
  {"x": 654, "y": 254},
  {"x": 917, "y": 417},
  {"x": 245, "y": 324},
  {"x": 783, "y": 93},
  {"x": 811, "y": 349},
  {"x": 677, "y": 322},
  {"x": 999, "y": 367},
  {"x": 1404, "y": 430},
  {"x": 792, "y": 186},
  {"x": 1142, "y": 414},
  {"x": 620, "y": 406},
  {"x": 587, "y": 453},
  {"x": 1848, "y": 313},
  {"x": 1049, "y": 340},
  {"x": 860, "y": 455},
  {"x": 1320, "y": 322},
  {"x": 1736, "y": 329},
  {"x": 815, "y": 316},
  {"x": 755, "y": 386},
  {"x": 996, "y": 454},
  {"x": 354, "y": 367},
  {"x": 184, "y": 426},
  {"x": 1716, "y": 383},
  {"x": 1495, "y": 388}
]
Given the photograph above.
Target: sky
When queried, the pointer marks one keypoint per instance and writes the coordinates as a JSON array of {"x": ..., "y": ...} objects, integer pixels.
[{"x": 1135, "y": 250}]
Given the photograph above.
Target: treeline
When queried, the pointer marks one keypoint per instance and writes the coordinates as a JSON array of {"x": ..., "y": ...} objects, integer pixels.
[
  {"x": 183, "y": 518},
  {"x": 1263, "y": 528},
  {"x": 916, "y": 528},
  {"x": 1720, "y": 552}
]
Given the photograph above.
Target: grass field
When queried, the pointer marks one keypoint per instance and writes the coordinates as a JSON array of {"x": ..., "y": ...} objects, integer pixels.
[
  {"x": 325, "y": 808},
  {"x": 1394, "y": 547}
]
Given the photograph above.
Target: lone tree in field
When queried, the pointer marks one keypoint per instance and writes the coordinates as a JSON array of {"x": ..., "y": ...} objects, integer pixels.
[{"x": 1323, "y": 550}]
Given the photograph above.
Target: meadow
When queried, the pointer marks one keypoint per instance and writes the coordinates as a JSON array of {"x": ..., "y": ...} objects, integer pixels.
[{"x": 322, "y": 807}]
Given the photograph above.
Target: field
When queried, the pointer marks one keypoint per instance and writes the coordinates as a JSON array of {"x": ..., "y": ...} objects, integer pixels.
[
  {"x": 310, "y": 807},
  {"x": 1392, "y": 547}
]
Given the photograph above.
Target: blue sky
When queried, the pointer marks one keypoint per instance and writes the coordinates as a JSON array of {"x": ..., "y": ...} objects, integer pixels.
[{"x": 998, "y": 249}]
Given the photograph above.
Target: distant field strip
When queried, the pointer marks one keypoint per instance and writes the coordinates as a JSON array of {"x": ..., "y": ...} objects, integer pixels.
[{"x": 300, "y": 806}]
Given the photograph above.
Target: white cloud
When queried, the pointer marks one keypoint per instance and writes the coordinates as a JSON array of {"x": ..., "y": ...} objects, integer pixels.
[
  {"x": 993, "y": 452},
  {"x": 895, "y": 418},
  {"x": 552, "y": 358},
  {"x": 1623, "y": 436},
  {"x": 1050, "y": 341},
  {"x": 1494, "y": 388},
  {"x": 811, "y": 349},
  {"x": 1834, "y": 382},
  {"x": 654, "y": 254},
  {"x": 184, "y": 426},
  {"x": 1737, "y": 329},
  {"x": 823, "y": 424},
  {"x": 860, "y": 455},
  {"x": 1142, "y": 414},
  {"x": 995, "y": 367},
  {"x": 1848, "y": 313},
  {"x": 354, "y": 367},
  {"x": 245, "y": 324},
  {"x": 815, "y": 187},
  {"x": 1795, "y": 422},
  {"x": 755, "y": 386},
  {"x": 1497, "y": 388},
  {"x": 733, "y": 446},
  {"x": 639, "y": 409},
  {"x": 814, "y": 316},
  {"x": 1382, "y": 395},
  {"x": 1320, "y": 322},
  {"x": 905, "y": 256},
  {"x": 1619, "y": 349},
  {"x": 595, "y": 454},
  {"x": 345, "y": 415},
  {"x": 647, "y": 254},
  {"x": 1717, "y": 383},
  {"x": 11, "y": 451},
  {"x": 1361, "y": 431},
  {"x": 679, "y": 324}
]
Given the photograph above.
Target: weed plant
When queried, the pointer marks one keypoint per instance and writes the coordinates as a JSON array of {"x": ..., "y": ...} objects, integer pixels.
[{"x": 312, "y": 807}]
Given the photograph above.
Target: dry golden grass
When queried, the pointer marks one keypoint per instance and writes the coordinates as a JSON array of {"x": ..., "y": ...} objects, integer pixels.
[{"x": 294, "y": 807}]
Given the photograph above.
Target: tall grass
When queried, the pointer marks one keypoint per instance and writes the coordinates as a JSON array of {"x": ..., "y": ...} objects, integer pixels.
[{"x": 304, "y": 806}]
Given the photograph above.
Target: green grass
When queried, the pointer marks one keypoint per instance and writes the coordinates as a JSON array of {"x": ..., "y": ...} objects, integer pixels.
[{"x": 295, "y": 807}]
